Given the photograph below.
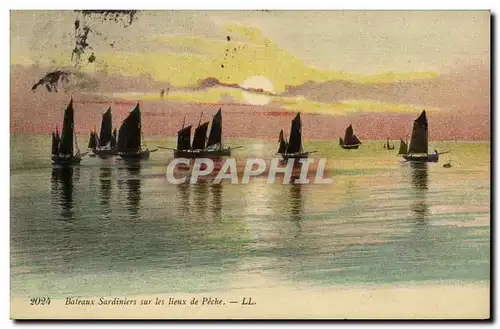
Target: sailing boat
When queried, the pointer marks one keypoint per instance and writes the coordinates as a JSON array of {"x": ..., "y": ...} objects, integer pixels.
[
  {"x": 418, "y": 150},
  {"x": 294, "y": 148},
  {"x": 65, "y": 149},
  {"x": 129, "y": 137},
  {"x": 388, "y": 146},
  {"x": 201, "y": 146},
  {"x": 106, "y": 145},
  {"x": 350, "y": 141}
]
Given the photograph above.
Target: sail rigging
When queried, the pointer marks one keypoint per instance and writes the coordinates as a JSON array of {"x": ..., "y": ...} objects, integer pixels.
[
  {"x": 215, "y": 136},
  {"x": 403, "y": 148},
  {"x": 200, "y": 136},
  {"x": 419, "y": 143},
  {"x": 66, "y": 146},
  {"x": 129, "y": 135},
  {"x": 295, "y": 141},
  {"x": 105, "y": 135},
  {"x": 283, "y": 143},
  {"x": 184, "y": 138}
]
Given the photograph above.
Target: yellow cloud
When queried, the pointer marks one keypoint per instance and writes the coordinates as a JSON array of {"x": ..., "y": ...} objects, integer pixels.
[
  {"x": 217, "y": 96},
  {"x": 247, "y": 54}
]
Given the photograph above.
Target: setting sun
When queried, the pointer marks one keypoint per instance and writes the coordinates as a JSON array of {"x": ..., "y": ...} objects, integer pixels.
[{"x": 257, "y": 82}]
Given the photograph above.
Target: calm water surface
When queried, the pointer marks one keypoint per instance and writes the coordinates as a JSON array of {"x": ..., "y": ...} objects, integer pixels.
[{"x": 105, "y": 228}]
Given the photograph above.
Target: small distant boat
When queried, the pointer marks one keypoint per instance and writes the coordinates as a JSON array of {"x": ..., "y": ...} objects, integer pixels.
[
  {"x": 388, "y": 145},
  {"x": 65, "y": 149},
  {"x": 129, "y": 137},
  {"x": 350, "y": 141},
  {"x": 106, "y": 141},
  {"x": 418, "y": 151},
  {"x": 201, "y": 146},
  {"x": 293, "y": 149}
]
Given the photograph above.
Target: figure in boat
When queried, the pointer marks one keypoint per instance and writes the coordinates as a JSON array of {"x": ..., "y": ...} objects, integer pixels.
[
  {"x": 106, "y": 141},
  {"x": 129, "y": 144},
  {"x": 418, "y": 150},
  {"x": 350, "y": 141},
  {"x": 65, "y": 149},
  {"x": 293, "y": 149},
  {"x": 202, "y": 146}
]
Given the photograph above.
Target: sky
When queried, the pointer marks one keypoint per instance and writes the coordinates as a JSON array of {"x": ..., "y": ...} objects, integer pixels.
[
  {"x": 328, "y": 63},
  {"x": 286, "y": 47}
]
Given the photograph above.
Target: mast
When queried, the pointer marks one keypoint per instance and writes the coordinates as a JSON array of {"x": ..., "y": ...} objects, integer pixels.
[{"x": 295, "y": 142}]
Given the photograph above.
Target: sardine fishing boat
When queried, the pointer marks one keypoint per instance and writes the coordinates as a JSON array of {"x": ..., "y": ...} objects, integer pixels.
[
  {"x": 293, "y": 149},
  {"x": 418, "y": 150},
  {"x": 350, "y": 141},
  {"x": 106, "y": 142},
  {"x": 202, "y": 146},
  {"x": 65, "y": 149},
  {"x": 129, "y": 143}
]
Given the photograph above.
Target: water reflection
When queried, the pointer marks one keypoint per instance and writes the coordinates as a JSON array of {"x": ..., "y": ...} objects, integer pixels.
[
  {"x": 216, "y": 204},
  {"x": 132, "y": 185},
  {"x": 183, "y": 203},
  {"x": 419, "y": 178},
  {"x": 296, "y": 206},
  {"x": 62, "y": 188},
  {"x": 105, "y": 183}
]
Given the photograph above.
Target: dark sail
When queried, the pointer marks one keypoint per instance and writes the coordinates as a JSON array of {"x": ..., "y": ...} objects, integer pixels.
[
  {"x": 403, "y": 148},
  {"x": 129, "y": 135},
  {"x": 215, "y": 136},
  {"x": 184, "y": 138},
  {"x": 106, "y": 128},
  {"x": 113, "y": 139},
  {"x": 295, "y": 142},
  {"x": 67, "y": 134},
  {"x": 282, "y": 141},
  {"x": 92, "y": 141},
  {"x": 419, "y": 135},
  {"x": 350, "y": 138},
  {"x": 55, "y": 143},
  {"x": 200, "y": 136},
  {"x": 341, "y": 142}
]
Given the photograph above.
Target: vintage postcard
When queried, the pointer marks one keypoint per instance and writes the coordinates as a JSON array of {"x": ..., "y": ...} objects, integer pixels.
[{"x": 259, "y": 164}]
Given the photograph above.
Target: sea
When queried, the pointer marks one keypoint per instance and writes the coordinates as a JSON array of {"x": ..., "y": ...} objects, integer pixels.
[{"x": 109, "y": 228}]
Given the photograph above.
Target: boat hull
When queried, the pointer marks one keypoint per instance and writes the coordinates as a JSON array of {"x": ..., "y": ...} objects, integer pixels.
[
  {"x": 421, "y": 158},
  {"x": 66, "y": 160},
  {"x": 201, "y": 153},
  {"x": 135, "y": 155},
  {"x": 105, "y": 153},
  {"x": 349, "y": 147},
  {"x": 303, "y": 155}
]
